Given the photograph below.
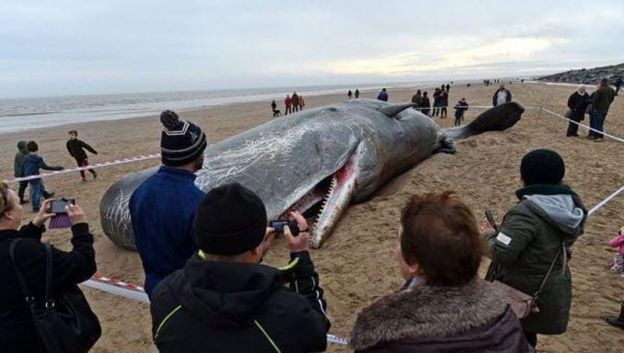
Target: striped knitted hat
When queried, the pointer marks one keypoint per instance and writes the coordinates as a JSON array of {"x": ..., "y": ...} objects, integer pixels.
[{"x": 181, "y": 142}]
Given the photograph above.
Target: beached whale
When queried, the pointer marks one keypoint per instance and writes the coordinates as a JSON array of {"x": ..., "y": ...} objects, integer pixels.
[{"x": 329, "y": 156}]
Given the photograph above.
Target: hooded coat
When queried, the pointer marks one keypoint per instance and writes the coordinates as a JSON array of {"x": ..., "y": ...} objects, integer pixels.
[
  {"x": 19, "y": 159},
  {"x": 548, "y": 218},
  {"x": 427, "y": 319},
  {"x": 230, "y": 307}
]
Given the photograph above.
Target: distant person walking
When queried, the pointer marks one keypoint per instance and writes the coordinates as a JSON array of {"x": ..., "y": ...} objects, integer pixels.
[
  {"x": 287, "y": 104},
  {"x": 577, "y": 104},
  {"x": 460, "y": 109},
  {"x": 295, "y": 102},
  {"x": 425, "y": 104},
  {"x": 436, "y": 102},
  {"x": 76, "y": 148},
  {"x": 383, "y": 95},
  {"x": 32, "y": 163},
  {"x": 502, "y": 95},
  {"x": 417, "y": 99},
  {"x": 22, "y": 152},
  {"x": 349, "y": 94},
  {"x": 443, "y": 104},
  {"x": 301, "y": 103},
  {"x": 357, "y": 93},
  {"x": 601, "y": 101},
  {"x": 618, "y": 84},
  {"x": 448, "y": 88}
]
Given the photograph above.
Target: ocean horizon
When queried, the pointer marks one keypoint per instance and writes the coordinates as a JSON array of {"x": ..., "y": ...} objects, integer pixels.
[{"x": 21, "y": 114}]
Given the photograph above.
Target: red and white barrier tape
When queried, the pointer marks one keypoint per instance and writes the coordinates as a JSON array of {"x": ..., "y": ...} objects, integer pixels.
[
  {"x": 94, "y": 166},
  {"x": 135, "y": 292}
]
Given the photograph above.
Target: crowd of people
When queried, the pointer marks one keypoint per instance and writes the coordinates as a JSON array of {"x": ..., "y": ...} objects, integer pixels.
[
  {"x": 28, "y": 162},
  {"x": 596, "y": 105},
  {"x": 209, "y": 290},
  {"x": 292, "y": 104}
]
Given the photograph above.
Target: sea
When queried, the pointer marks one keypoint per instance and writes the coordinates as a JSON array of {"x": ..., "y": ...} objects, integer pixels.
[{"x": 20, "y": 114}]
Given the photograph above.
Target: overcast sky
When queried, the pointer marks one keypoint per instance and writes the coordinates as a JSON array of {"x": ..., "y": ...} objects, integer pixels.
[{"x": 80, "y": 47}]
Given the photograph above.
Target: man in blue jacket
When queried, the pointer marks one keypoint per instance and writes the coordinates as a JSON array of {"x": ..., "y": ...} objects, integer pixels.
[{"x": 162, "y": 209}]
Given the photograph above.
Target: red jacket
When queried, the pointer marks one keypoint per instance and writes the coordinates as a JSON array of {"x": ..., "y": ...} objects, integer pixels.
[{"x": 287, "y": 101}]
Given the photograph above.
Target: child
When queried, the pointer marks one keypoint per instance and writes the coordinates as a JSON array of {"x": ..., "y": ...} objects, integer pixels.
[
  {"x": 460, "y": 109},
  {"x": 76, "y": 149},
  {"x": 31, "y": 164},
  {"x": 618, "y": 258}
]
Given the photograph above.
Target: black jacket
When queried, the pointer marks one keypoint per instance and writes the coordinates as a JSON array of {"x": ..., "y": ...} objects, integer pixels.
[
  {"x": 578, "y": 104},
  {"x": 76, "y": 149},
  {"x": 230, "y": 307},
  {"x": 17, "y": 334},
  {"x": 495, "y": 97}
]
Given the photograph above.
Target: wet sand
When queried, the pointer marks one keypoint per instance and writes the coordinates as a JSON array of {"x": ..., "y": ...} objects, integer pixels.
[{"x": 484, "y": 172}]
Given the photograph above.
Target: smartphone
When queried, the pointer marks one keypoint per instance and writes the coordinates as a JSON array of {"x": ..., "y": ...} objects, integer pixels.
[
  {"x": 490, "y": 218},
  {"x": 58, "y": 206},
  {"x": 278, "y": 226}
]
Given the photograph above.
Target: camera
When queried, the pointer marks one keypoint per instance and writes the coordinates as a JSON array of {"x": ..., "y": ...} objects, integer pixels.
[
  {"x": 58, "y": 206},
  {"x": 278, "y": 226}
]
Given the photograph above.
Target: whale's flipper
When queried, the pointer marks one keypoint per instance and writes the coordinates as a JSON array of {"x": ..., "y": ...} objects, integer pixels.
[{"x": 393, "y": 110}]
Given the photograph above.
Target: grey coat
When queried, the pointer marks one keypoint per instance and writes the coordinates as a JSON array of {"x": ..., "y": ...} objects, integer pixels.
[
  {"x": 19, "y": 159},
  {"x": 470, "y": 318}
]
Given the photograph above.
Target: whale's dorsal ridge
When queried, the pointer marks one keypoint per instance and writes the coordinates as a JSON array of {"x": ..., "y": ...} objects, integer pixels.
[{"x": 393, "y": 110}]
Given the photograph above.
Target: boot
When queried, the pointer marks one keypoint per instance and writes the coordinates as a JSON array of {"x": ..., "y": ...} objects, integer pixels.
[{"x": 617, "y": 321}]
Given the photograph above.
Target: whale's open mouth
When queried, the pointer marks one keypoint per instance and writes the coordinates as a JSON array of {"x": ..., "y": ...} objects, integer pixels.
[{"x": 328, "y": 200}]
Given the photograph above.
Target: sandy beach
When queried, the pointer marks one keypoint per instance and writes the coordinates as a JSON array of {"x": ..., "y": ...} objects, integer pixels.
[{"x": 484, "y": 172}]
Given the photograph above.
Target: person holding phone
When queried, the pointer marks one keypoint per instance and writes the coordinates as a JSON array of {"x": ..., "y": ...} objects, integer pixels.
[
  {"x": 17, "y": 331},
  {"x": 225, "y": 300}
]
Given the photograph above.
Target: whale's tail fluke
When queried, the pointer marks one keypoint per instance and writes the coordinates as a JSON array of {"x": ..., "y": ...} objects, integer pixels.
[{"x": 498, "y": 118}]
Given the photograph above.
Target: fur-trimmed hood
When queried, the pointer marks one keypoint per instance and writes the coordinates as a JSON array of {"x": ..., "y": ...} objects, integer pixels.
[{"x": 423, "y": 312}]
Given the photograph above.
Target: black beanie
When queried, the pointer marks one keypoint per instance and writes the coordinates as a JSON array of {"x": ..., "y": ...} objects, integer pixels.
[
  {"x": 542, "y": 167},
  {"x": 181, "y": 142},
  {"x": 230, "y": 220}
]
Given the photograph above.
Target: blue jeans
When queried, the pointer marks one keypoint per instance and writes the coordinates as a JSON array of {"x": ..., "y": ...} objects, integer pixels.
[
  {"x": 36, "y": 190},
  {"x": 596, "y": 121}
]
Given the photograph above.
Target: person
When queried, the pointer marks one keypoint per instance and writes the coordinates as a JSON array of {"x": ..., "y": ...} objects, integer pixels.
[
  {"x": 538, "y": 230},
  {"x": 301, "y": 103},
  {"x": 349, "y": 94},
  {"x": 617, "y": 242},
  {"x": 443, "y": 104},
  {"x": 276, "y": 111},
  {"x": 436, "y": 102},
  {"x": 577, "y": 104},
  {"x": 18, "y": 162},
  {"x": 383, "y": 95},
  {"x": 76, "y": 148},
  {"x": 502, "y": 95},
  {"x": 460, "y": 109},
  {"x": 17, "y": 331},
  {"x": 295, "y": 102},
  {"x": 417, "y": 99},
  {"x": 31, "y": 165},
  {"x": 425, "y": 104},
  {"x": 163, "y": 207},
  {"x": 357, "y": 93},
  {"x": 225, "y": 300},
  {"x": 601, "y": 101},
  {"x": 618, "y": 84},
  {"x": 448, "y": 88},
  {"x": 443, "y": 305},
  {"x": 287, "y": 104}
]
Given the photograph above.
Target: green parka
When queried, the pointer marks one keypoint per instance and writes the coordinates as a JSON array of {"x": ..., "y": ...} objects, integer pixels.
[{"x": 547, "y": 218}]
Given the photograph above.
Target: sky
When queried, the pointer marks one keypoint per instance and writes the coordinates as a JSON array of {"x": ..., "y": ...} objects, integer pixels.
[{"x": 65, "y": 47}]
